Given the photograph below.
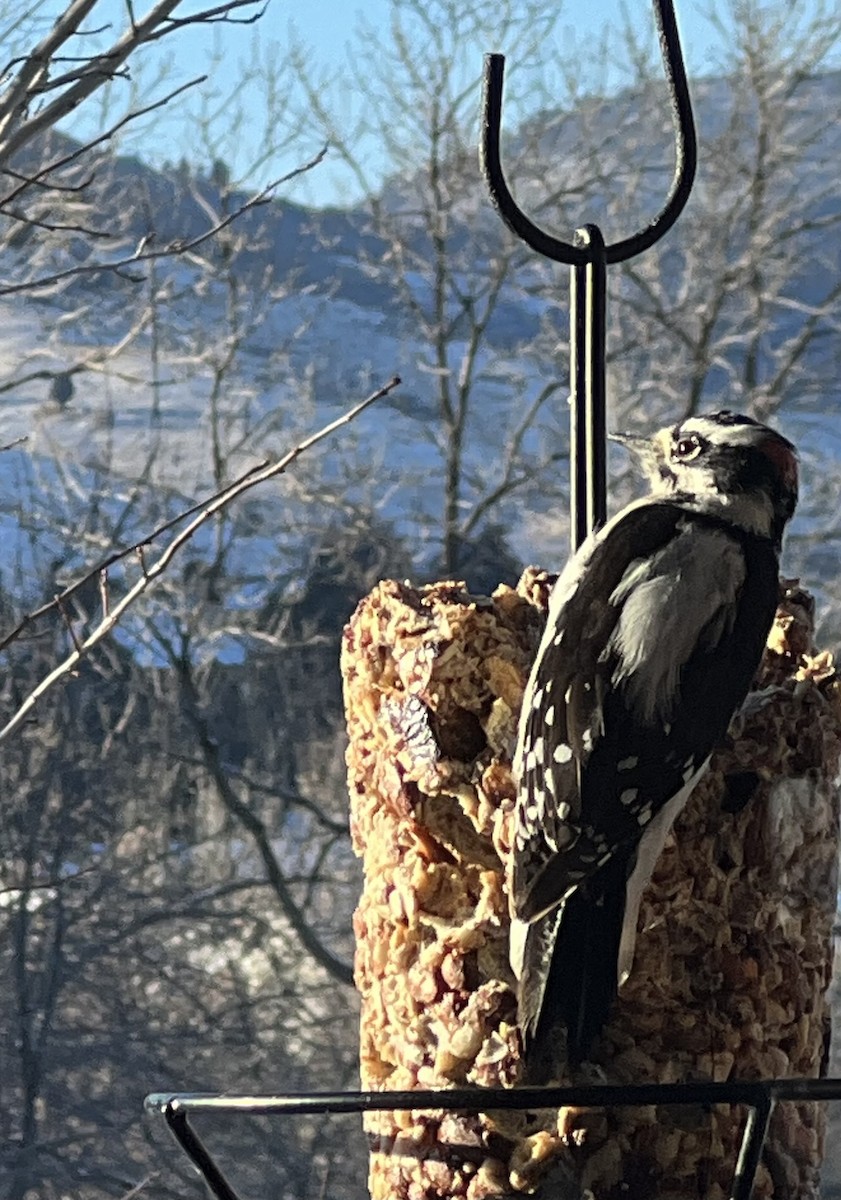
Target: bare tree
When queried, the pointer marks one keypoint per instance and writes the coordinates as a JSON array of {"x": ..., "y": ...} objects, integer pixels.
[
  {"x": 435, "y": 247},
  {"x": 132, "y": 922},
  {"x": 739, "y": 309},
  {"x": 53, "y": 70},
  {"x": 68, "y": 211},
  {"x": 162, "y": 894},
  {"x": 153, "y": 839},
  {"x": 742, "y": 299}
]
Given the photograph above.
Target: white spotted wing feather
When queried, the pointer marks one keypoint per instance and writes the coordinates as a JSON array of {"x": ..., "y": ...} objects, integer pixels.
[{"x": 648, "y": 594}]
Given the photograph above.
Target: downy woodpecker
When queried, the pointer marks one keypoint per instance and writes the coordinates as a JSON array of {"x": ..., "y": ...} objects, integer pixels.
[{"x": 655, "y": 630}]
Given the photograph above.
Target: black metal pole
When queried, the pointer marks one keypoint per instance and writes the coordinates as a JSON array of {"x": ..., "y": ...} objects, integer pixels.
[
  {"x": 197, "y": 1152},
  {"x": 588, "y": 404},
  {"x": 750, "y": 1152}
]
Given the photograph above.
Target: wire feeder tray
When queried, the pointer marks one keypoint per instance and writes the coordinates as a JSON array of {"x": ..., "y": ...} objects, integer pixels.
[{"x": 759, "y": 1097}]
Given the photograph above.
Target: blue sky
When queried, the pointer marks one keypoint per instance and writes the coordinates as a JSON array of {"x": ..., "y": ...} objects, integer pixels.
[{"x": 230, "y": 53}]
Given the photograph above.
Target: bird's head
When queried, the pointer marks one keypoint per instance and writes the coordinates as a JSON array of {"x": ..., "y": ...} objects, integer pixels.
[{"x": 725, "y": 464}]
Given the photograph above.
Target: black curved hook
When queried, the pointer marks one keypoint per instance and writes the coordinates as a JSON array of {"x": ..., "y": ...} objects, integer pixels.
[
  {"x": 686, "y": 156},
  {"x": 588, "y": 256}
]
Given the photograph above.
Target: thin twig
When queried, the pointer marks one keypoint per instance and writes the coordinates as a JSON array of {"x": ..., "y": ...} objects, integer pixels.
[
  {"x": 117, "y": 556},
  {"x": 154, "y": 569},
  {"x": 68, "y": 624},
  {"x": 39, "y": 177},
  {"x": 179, "y": 246},
  {"x": 155, "y": 24}
]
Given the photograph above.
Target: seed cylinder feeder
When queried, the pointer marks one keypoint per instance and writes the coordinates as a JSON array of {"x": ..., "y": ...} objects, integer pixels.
[{"x": 734, "y": 942}]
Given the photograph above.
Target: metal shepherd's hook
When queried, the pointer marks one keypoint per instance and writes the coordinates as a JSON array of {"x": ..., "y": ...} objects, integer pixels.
[{"x": 588, "y": 256}]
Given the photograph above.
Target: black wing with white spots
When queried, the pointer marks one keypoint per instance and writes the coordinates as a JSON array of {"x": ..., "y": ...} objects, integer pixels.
[{"x": 654, "y": 632}]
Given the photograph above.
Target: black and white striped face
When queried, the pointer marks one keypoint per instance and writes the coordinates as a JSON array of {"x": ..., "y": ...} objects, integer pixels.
[{"x": 727, "y": 464}]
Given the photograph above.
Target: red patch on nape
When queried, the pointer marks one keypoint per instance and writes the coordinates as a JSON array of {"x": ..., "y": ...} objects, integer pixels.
[{"x": 784, "y": 457}]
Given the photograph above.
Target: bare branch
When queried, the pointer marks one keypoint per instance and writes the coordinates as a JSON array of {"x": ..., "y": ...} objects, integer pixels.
[
  {"x": 155, "y": 569},
  {"x": 40, "y": 177},
  {"x": 17, "y": 126},
  {"x": 245, "y": 814},
  {"x": 179, "y": 246}
]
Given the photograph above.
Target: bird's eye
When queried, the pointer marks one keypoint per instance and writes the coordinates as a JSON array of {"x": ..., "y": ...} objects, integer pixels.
[{"x": 687, "y": 448}]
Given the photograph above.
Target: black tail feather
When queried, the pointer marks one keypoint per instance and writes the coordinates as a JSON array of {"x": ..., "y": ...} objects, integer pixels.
[{"x": 569, "y": 978}]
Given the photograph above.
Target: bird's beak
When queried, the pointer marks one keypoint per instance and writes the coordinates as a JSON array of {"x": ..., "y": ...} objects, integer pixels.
[
  {"x": 632, "y": 440},
  {"x": 649, "y": 452},
  {"x": 642, "y": 448}
]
